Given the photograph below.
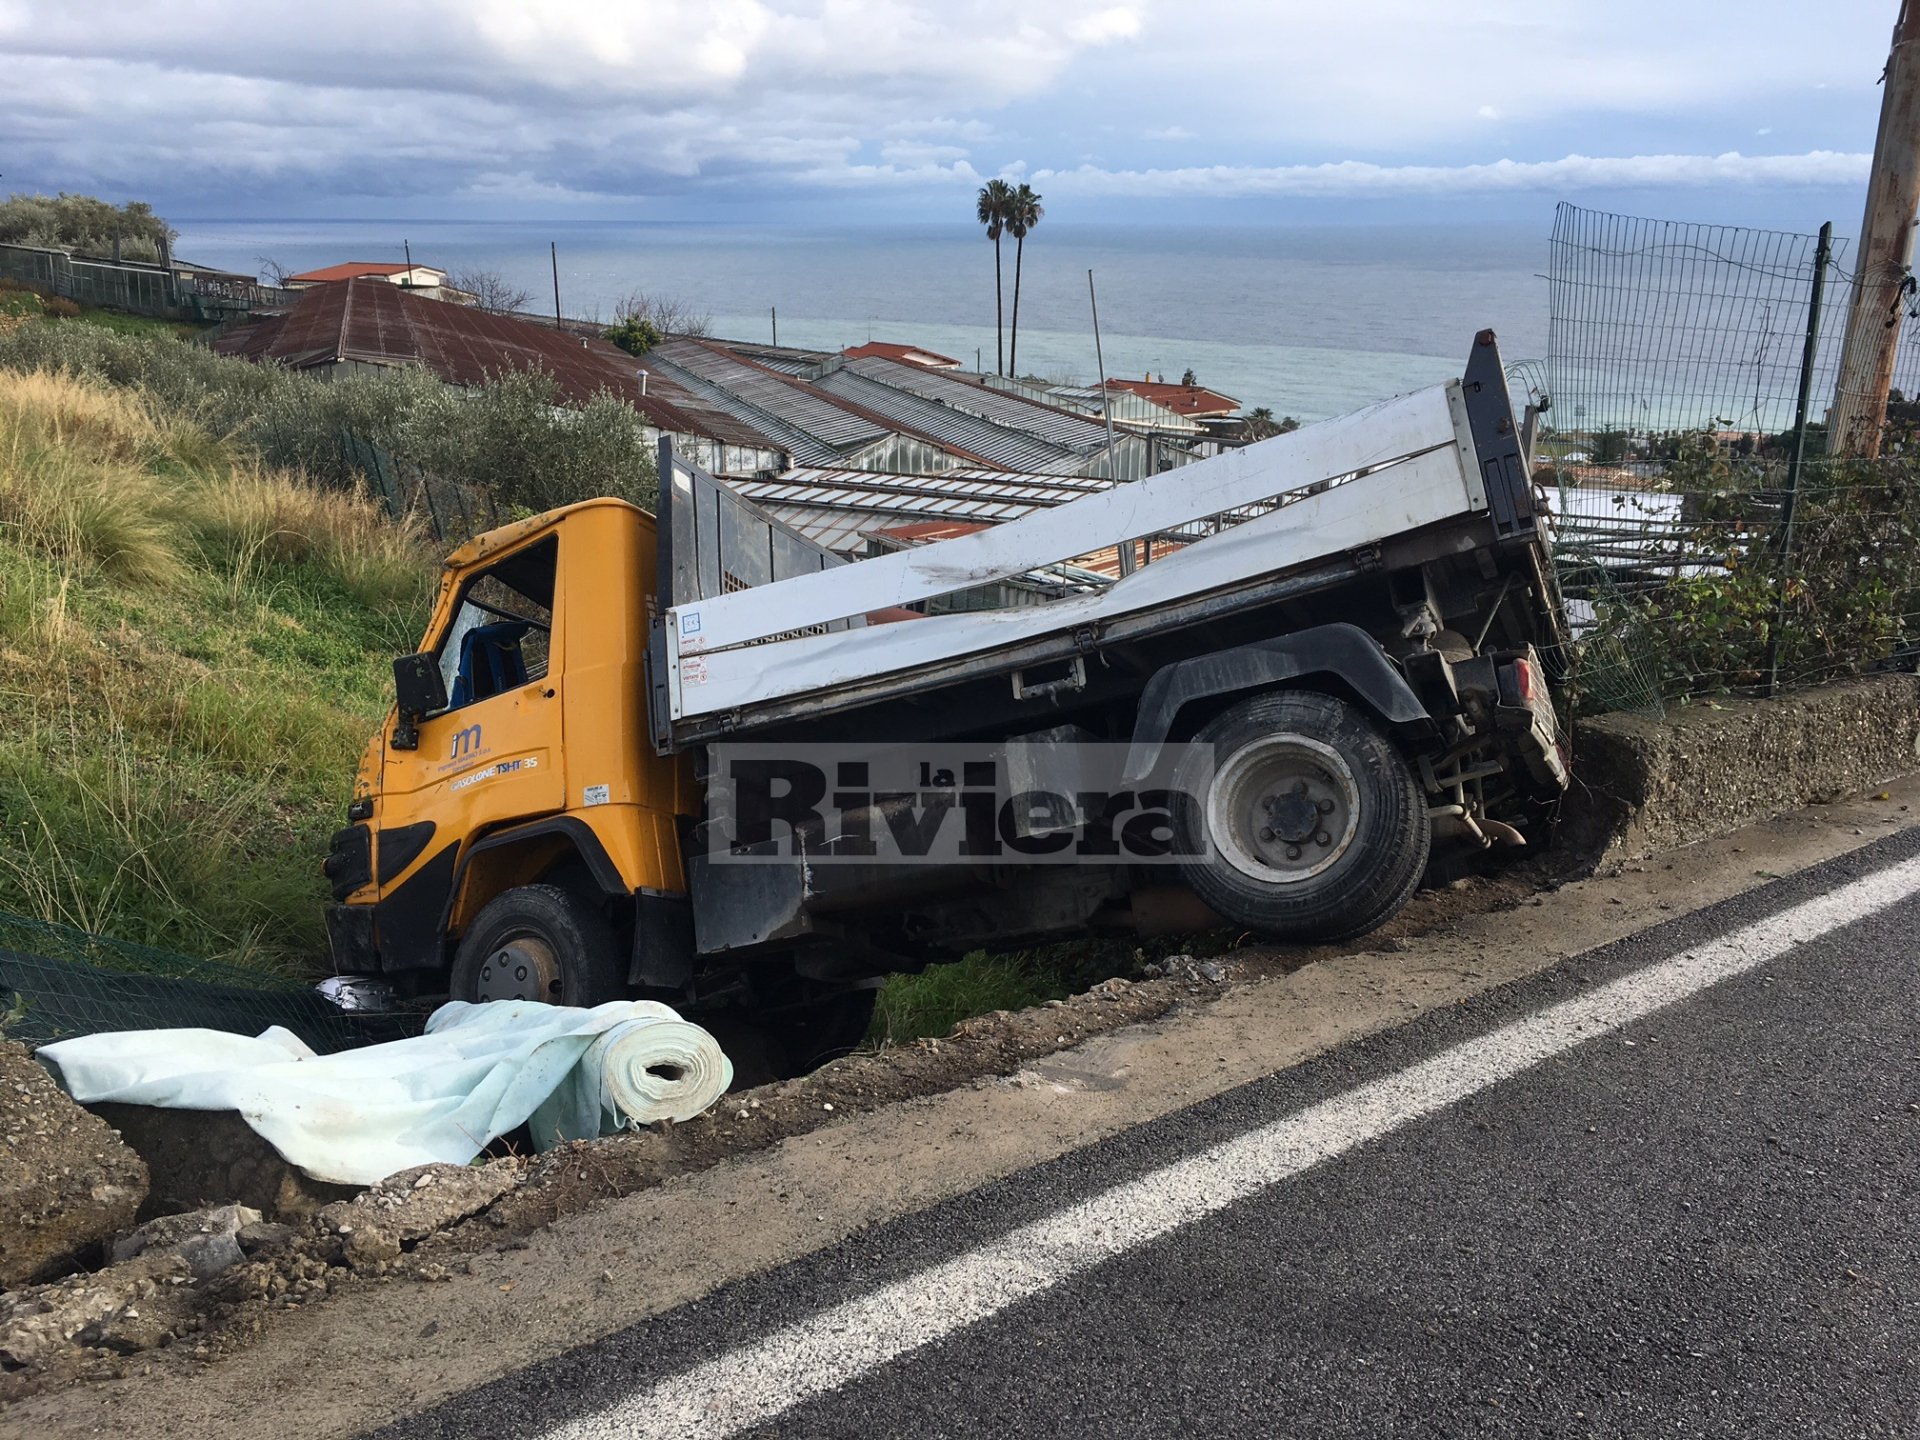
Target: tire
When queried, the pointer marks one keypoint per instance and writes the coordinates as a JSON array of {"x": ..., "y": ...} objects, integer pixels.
[
  {"x": 1311, "y": 826},
  {"x": 539, "y": 942}
]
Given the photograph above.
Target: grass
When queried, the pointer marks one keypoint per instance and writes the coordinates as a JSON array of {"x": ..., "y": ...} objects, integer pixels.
[
  {"x": 18, "y": 301},
  {"x": 936, "y": 999},
  {"x": 193, "y": 650}
]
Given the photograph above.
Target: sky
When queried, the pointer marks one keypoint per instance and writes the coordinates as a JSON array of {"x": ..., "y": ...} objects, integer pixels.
[{"x": 827, "y": 110}]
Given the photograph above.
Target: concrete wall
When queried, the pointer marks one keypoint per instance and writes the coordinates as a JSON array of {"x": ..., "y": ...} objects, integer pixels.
[{"x": 1642, "y": 785}]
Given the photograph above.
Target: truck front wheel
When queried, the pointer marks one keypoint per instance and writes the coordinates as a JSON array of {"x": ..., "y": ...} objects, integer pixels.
[
  {"x": 538, "y": 942},
  {"x": 1311, "y": 826}
]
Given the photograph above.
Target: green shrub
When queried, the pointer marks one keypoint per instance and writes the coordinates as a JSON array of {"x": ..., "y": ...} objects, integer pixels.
[
  {"x": 83, "y": 225},
  {"x": 1843, "y": 597},
  {"x": 511, "y": 437}
]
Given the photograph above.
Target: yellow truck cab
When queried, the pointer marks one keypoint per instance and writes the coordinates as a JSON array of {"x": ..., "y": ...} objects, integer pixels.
[{"x": 474, "y": 824}]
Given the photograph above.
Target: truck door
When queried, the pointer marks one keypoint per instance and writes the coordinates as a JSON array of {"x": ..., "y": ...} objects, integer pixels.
[{"x": 491, "y": 758}]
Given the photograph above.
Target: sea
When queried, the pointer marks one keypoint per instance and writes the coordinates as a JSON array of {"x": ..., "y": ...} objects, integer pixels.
[{"x": 1309, "y": 321}]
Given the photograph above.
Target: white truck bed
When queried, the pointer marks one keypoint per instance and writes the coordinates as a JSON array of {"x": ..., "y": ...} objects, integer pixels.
[{"x": 1328, "y": 488}]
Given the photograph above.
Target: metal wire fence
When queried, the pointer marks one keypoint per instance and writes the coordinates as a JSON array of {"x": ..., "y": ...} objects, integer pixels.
[
  {"x": 57, "y": 982},
  {"x": 1704, "y": 544}
]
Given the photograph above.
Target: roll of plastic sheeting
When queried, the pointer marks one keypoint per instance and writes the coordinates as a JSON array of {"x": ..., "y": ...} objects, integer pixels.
[
  {"x": 656, "y": 1067},
  {"x": 478, "y": 1072}
]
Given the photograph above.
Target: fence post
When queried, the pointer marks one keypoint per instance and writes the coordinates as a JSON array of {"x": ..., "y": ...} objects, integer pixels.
[{"x": 1790, "y": 501}]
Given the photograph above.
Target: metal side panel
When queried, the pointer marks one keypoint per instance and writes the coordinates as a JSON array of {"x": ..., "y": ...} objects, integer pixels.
[
  {"x": 1390, "y": 433},
  {"x": 1426, "y": 490}
]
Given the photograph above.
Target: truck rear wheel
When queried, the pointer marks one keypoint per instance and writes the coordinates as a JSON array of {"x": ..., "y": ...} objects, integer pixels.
[
  {"x": 1311, "y": 825},
  {"x": 539, "y": 942}
]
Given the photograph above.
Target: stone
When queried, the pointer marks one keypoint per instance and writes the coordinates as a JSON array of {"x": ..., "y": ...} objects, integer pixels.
[
  {"x": 376, "y": 1226},
  {"x": 67, "y": 1183},
  {"x": 126, "y": 1307},
  {"x": 208, "y": 1240}
]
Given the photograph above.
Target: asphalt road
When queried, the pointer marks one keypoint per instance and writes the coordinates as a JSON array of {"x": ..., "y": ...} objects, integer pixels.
[{"x": 1671, "y": 1187}]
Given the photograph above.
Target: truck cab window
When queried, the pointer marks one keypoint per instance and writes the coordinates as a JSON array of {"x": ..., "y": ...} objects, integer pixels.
[{"x": 502, "y": 627}]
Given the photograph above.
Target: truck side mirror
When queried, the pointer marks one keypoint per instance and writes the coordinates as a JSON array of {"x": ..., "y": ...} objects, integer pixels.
[{"x": 418, "y": 690}]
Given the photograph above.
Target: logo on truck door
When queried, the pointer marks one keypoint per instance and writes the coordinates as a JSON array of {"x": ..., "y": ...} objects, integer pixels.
[{"x": 465, "y": 742}]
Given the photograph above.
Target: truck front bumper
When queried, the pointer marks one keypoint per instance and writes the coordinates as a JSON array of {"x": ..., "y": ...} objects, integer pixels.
[{"x": 350, "y": 938}]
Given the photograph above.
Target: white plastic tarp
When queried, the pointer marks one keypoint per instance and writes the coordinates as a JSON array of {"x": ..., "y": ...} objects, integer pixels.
[{"x": 477, "y": 1073}]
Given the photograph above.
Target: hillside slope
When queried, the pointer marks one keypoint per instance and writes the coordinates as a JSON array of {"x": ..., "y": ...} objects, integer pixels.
[{"x": 192, "y": 651}]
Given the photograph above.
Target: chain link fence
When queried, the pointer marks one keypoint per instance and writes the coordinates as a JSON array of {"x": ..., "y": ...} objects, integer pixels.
[{"x": 1704, "y": 543}]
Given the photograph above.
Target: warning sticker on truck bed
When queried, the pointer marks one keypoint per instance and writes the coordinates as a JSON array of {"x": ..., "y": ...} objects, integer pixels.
[{"x": 693, "y": 670}]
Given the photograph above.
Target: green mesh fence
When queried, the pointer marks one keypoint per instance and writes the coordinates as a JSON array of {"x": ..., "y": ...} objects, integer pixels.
[
  {"x": 453, "y": 512},
  {"x": 57, "y": 982},
  {"x": 1693, "y": 555}
]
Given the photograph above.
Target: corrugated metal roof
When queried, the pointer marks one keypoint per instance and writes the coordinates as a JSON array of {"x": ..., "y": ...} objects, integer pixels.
[
  {"x": 1015, "y": 412},
  {"x": 798, "y": 443},
  {"x": 996, "y": 445},
  {"x": 382, "y": 324},
  {"x": 778, "y": 395},
  {"x": 787, "y": 359},
  {"x": 836, "y": 507}
]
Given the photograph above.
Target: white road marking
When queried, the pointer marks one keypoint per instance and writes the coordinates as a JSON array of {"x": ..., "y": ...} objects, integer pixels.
[{"x": 758, "y": 1381}]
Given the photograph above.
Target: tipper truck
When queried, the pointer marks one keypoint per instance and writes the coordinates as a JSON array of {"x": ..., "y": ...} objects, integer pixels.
[{"x": 1313, "y": 661}]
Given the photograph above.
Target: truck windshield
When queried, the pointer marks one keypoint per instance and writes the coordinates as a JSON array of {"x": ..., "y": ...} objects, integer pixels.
[{"x": 501, "y": 628}]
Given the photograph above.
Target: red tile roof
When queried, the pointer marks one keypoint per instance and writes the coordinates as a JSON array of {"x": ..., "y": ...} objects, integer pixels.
[
  {"x": 353, "y": 269},
  {"x": 1181, "y": 399},
  {"x": 380, "y": 324},
  {"x": 906, "y": 354}
]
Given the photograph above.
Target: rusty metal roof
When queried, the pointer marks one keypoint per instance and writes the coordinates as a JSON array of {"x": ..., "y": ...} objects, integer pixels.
[{"x": 376, "y": 323}]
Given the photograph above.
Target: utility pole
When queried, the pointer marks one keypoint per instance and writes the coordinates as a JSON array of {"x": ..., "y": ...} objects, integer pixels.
[
  {"x": 553, "y": 249},
  {"x": 1881, "y": 276}
]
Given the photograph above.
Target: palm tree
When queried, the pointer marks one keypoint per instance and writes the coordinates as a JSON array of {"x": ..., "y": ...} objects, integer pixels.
[
  {"x": 1023, "y": 214},
  {"x": 991, "y": 209}
]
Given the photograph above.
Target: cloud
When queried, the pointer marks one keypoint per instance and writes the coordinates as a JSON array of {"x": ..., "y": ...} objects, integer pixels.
[
  {"x": 1106, "y": 26},
  {"x": 1574, "y": 172},
  {"x": 436, "y": 96},
  {"x": 584, "y": 102}
]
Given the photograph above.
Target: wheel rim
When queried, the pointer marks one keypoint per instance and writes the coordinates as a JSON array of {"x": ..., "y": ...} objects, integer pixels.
[
  {"x": 520, "y": 967},
  {"x": 1283, "y": 809}
]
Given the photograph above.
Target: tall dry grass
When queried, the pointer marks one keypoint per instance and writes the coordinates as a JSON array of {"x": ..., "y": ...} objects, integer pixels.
[
  {"x": 195, "y": 647},
  {"x": 77, "y": 481},
  {"x": 105, "y": 481}
]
